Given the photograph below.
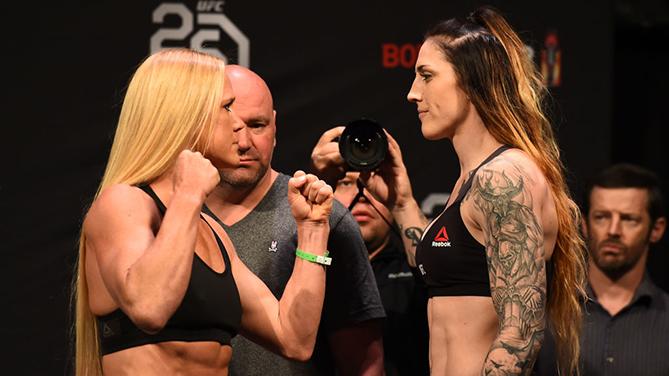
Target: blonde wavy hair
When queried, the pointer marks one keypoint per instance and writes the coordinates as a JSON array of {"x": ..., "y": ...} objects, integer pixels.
[
  {"x": 171, "y": 104},
  {"x": 495, "y": 70}
]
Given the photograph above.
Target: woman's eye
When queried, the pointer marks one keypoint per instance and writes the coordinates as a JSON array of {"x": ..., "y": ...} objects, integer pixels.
[{"x": 228, "y": 106}]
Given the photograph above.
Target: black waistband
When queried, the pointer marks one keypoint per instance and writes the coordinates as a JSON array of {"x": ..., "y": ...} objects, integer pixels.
[{"x": 118, "y": 332}]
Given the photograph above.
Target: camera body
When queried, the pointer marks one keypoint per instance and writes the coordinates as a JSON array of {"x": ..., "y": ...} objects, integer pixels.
[{"x": 363, "y": 144}]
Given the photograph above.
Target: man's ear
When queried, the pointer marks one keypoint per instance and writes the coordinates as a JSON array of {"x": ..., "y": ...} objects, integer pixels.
[
  {"x": 274, "y": 122},
  {"x": 658, "y": 229}
]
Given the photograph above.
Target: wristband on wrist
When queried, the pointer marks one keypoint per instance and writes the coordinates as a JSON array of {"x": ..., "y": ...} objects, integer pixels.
[{"x": 323, "y": 260}]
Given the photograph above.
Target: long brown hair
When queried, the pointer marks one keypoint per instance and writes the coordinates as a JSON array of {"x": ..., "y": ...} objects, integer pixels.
[{"x": 495, "y": 70}]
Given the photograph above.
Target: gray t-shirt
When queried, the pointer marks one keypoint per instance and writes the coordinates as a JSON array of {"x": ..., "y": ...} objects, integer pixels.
[{"x": 265, "y": 241}]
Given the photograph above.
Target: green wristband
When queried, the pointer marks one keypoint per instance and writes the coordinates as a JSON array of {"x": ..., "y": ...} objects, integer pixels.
[{"x": 323, "y": 260}]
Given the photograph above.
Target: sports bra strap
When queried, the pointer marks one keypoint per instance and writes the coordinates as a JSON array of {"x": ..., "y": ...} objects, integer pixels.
[
  {"x": 468, "y": 184},
  {"x": 224, "y": 251},
  {"x": 149, "y": 191},
  {"x": 161, "y": 207}
]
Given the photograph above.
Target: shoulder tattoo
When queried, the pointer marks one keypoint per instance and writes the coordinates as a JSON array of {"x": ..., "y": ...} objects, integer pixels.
[{"x": 515, "y": 252}]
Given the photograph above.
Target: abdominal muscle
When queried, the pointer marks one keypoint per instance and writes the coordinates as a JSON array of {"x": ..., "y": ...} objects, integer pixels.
[
  {"x": 462, "y": 329},
  {"x": 170, "y": 358}
]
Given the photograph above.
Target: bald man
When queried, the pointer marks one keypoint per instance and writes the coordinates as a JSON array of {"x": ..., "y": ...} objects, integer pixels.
[{"x": 251, "y": 204}]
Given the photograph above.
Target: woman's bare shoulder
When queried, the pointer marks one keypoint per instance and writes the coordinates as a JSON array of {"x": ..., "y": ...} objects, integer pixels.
[
  {"x": 117, "y": 202},
  {"x": 516, "y": 165}
]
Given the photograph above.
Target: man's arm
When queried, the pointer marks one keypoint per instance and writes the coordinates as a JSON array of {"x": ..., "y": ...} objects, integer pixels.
[
  {"x": 358, "y": 349},
  {"x": 391, "y": 185},
  {"x": 514, "y": 240}
]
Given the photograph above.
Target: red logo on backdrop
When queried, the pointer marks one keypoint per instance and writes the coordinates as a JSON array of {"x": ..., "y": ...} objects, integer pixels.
[
  {"x": 395, "y": 55},
  {"x": 442, "y": 235}
]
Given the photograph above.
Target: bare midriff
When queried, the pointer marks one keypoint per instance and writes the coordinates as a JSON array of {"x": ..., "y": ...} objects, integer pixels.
[
  {"x": 170, "y": 358},
  {"x": 462, "y": 329}
]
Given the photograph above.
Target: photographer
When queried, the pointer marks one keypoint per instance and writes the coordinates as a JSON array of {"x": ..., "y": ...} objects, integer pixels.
[{"x": 405, "y": 334}]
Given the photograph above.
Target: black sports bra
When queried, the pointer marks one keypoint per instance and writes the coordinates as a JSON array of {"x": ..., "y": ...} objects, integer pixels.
[
  {"x": 210, "y": 310},
  {"x": 451, "y": 261}
]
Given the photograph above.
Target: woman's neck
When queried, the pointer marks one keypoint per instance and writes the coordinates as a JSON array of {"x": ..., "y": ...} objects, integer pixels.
[
  {"x": 164, "y": 187},
  {"x": 473, "y": 143}
]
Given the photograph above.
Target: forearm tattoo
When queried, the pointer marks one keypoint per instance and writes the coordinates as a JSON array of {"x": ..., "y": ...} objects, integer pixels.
[
  {"x": 414, "y": 234},
  {"x": 515, "y": 253}
]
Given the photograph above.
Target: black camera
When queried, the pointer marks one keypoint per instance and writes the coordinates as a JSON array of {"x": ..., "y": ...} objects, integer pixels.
[{"x": 363, "y": 144}]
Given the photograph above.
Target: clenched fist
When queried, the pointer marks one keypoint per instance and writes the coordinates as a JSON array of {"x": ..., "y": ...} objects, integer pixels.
[
  {"x": 310, "y": 198},
  {"x": 194, "y": 174}
]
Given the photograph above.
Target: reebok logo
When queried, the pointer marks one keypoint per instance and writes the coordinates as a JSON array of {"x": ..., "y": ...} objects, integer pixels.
[{"x": 441, "y": 240}]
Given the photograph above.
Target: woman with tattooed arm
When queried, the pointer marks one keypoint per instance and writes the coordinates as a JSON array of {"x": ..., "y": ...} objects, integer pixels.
[{"x": 510, "y": 216}]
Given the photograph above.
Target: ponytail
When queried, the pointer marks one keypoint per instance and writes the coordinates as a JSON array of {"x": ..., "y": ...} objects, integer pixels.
[{"x": 530, "y": 86}]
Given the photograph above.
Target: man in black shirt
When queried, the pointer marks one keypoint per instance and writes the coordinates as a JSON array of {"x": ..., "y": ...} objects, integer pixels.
[
  {"x": 626, "y": 317},
  {"x": 404, "y": 298}
]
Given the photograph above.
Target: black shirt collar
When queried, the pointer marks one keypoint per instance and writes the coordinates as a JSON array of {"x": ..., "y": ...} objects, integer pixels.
[{"x": 645, "y": 293}]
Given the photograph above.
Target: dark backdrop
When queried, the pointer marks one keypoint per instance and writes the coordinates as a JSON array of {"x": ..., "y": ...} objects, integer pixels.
[{"x": 66, "y": 66}]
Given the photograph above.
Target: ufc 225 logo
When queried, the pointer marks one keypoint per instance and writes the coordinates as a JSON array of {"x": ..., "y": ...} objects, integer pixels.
[{"x": 199, "y": 31}]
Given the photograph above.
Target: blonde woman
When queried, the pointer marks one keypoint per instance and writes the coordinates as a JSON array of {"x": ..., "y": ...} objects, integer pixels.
[
  {"x": 484, "y": 258},
  {"x": 160, "y": 289}
]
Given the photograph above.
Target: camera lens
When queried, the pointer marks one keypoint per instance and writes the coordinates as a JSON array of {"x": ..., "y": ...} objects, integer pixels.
[{"x": 363, "y": 144}]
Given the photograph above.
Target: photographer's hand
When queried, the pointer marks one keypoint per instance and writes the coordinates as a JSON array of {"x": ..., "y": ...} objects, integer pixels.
[
  {"x": 390, "y": 185},
  {"x": 326, "y": 162}
]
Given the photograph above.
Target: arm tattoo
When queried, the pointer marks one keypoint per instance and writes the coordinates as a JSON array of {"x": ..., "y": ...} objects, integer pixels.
[
  {"x": 515, "y": 253},
  {"x": 414, "y": 234}
]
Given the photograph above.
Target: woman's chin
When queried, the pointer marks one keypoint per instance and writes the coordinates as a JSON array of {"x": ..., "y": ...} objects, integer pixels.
[
  {"x": 225, "y": 162},
  {"x": 431, "y": 135}
]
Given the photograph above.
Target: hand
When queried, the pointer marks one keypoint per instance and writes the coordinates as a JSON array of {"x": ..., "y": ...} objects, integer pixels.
[
  {"x": 326, "y": 161},
  {"x": 310, "y": 198},
  {"x": 389, "y": 183},
  {"x": 194, "y": 174}
]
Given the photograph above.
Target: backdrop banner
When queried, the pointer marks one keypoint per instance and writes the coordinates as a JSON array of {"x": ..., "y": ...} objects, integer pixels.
[{"x": 327, "y": 63}]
